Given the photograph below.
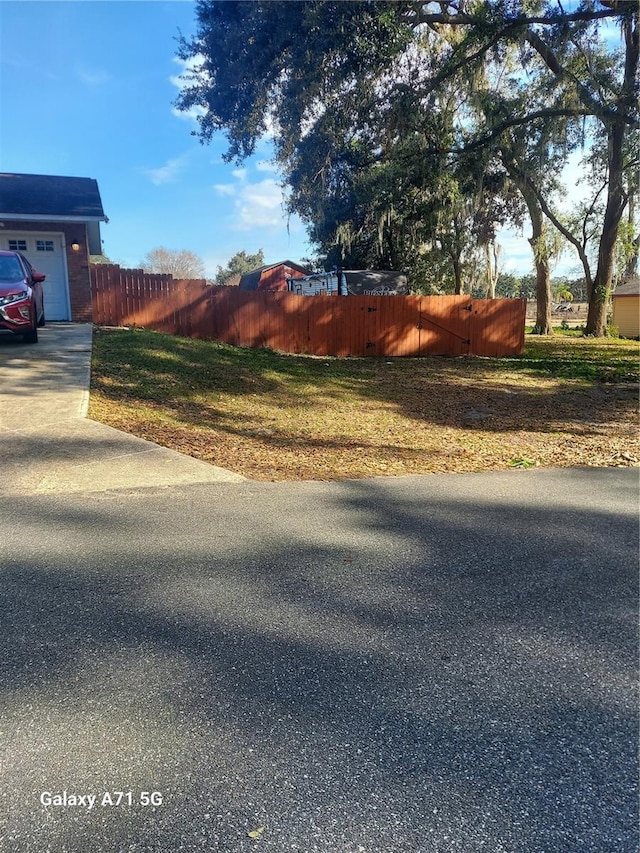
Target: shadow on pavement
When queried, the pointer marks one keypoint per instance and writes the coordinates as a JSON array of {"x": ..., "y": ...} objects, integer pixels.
[{"x": 387, "y": 665}]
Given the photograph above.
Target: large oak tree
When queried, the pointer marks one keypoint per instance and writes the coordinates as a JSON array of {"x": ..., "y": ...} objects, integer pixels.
[{"x": 360, "y": 92}]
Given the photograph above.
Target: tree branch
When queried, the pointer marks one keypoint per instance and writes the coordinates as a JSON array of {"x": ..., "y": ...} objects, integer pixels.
[
  {"x": 566, "y": 234},
  {"x": 553, "y": 64},
  {"x": 542, "y": 49},
  {"x": 515, "y": 122},
  {"x": 417, "y": 15}
]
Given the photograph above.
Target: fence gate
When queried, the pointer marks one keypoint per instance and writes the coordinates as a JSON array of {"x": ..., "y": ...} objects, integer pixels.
[{"x": 445, "y": 325}]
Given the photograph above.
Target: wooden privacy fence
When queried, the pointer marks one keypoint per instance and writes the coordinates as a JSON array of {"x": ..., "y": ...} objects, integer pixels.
[{"x": 315, "y": 325}]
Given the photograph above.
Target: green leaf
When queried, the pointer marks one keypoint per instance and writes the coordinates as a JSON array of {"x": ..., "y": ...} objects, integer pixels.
[{"x": 521, "y": 462}]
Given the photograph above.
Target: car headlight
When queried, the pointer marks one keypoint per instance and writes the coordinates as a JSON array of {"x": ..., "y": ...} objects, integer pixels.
[{"x": 14, "y": 297}]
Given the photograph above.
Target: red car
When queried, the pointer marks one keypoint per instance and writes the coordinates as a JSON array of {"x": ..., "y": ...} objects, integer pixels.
[{"x": 21, "y": 299}]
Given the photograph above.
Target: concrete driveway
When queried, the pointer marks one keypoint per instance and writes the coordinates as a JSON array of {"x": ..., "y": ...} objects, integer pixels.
[{"x": 49, "y": 445}]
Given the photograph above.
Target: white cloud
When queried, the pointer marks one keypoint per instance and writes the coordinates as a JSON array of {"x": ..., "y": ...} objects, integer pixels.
[
  {"x": 255, "y": 203},
  {"x": 260, "y": 205},
  {"x": 187, "y": 67},
  {"x": 93, "y": 77},
  {"x": 272, "y": 128},
  {"x": 180, "y": 81},
  {"x": 265, "y": 166},
  {"x": 189, "y": 115},
  {"x": 168, "y": 173},
  {"x": 225, "y": 189},
  {"x": 516, "y": 255}
]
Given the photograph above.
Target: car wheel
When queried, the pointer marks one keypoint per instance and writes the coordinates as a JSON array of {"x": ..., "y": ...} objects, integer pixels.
[
  {"x": 42, "y": 320},
  {"x": 31, "y": 337}
]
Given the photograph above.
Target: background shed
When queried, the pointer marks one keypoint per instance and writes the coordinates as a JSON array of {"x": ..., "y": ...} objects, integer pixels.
[
  {"x": 626, "y": 308},
  {"x": 272, "y": 276},
  {"x": 375, "y": 282}
]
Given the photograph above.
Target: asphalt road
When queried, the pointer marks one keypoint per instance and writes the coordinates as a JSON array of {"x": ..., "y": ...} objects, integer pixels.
[{"x": 437, "y": 663}]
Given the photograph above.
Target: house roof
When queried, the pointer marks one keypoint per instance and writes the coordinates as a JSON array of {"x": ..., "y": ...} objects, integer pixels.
[
  {"x": 249, "y": 280},
  {"x": 629, "y": 288},
  {"x": 233, "y": 280},
  {"x": 375, "y": 282},
  {"x": 50, "y": 197}
]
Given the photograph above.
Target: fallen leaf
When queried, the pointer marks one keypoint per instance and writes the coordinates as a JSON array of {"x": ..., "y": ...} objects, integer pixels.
[{"x": 256, "y": 833}]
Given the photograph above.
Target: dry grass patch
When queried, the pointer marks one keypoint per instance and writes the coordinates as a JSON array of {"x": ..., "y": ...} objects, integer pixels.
[{"x": 568, "y": 401}]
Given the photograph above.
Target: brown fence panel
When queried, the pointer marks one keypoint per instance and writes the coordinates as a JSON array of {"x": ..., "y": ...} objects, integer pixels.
[
  {"x": 151, "y": 307},
  {"x": 153, "y": 292},
  {"x": 120, "y": 296},
  {"x": 134, "y": 300},
  {"x": 97, "y": 295},
  {"x": 363, "y": 326},
  {"x": 200, "y": 312},
  {"x": 219, "y": 312},
  {"x": 132, "y": 278},
  {"x": 286, "y": 316},
  {"x": 106, "y": 287},
  {"x": 399, "y": 326},
  {"x": 128, "y": 317},
  {"x": 445, "y": 325},
  {"x": 319, "y": 325},
  {"x": 254, "y": 327},
  {"x": 159, "y": 309},
  {"x": 360, "y": 325},
  {"x": 276, "y": 318},
  {"x": 227, "y": 304},
  {"x": 319, "y": 315},
  {"x": 359, "y": 331},
  {"x": 342, "y": 326},
  {"x": 113, "y": 304},
  {"x": 497, "y": 327},
  {"x": 162, "y": 316},
  {"x": 186, "y": 297},
  {"x": 181, "y": 320},
  {"x": 283, "y": 322}
]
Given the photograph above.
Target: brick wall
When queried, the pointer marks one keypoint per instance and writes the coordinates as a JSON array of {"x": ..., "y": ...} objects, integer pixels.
[{"x": 77, "y": 262}]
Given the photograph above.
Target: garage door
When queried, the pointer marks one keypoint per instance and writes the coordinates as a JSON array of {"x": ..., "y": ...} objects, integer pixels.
[{"x": 46, "y": 254}]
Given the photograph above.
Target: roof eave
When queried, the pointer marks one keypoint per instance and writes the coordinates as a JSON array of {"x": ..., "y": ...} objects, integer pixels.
[{"x": 51, "y": 217}]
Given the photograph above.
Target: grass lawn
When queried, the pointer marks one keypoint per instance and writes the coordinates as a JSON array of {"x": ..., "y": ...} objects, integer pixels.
[{"x": 567, "y": 401}]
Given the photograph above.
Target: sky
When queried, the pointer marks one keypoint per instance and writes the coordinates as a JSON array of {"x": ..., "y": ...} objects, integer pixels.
[{"x": 87, "y": 89}]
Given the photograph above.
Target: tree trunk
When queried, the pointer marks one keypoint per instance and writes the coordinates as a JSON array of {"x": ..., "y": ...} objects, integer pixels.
[
  {"x": 543, "y": 298},
  {"x": 457, "y": 274},
  {"x": 631, "y": 267},
  {"x": 616, "y": 201},
  {"x": 543, "y": 273},
  {"x": 600, "y": 296},
  {"x": 538, "y": 246},
  {"x": 491, "y": 253},
  {"x": 616, "y": 196}
]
